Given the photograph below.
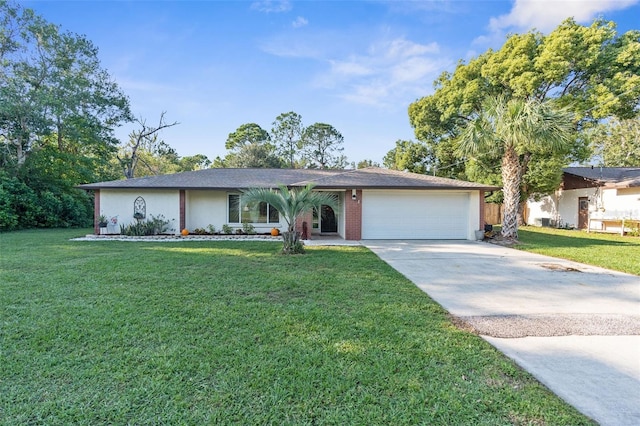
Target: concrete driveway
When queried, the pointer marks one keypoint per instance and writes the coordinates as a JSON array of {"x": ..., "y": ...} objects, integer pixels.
[{"x": 575, "y": 327}]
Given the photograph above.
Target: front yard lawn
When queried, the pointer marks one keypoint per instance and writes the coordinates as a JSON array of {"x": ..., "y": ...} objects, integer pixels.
[
  {"x": 605, "y": 250},
  {"x": 234, "y": 333}
]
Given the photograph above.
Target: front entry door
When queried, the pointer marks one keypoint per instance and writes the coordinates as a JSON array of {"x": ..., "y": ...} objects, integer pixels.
[
  {"x": 583, "y": 212},
  {"x": 328, "y": 222}
]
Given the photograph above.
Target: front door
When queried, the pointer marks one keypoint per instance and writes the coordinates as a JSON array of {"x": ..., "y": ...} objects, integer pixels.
[
  {"x": 583, "y": 212},
  {"x": 328, "y": 222}
]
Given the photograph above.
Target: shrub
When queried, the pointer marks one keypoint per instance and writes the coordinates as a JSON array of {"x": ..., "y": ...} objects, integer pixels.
[
  {"x": 248, "y": 229},
  {"x": 153, "y": 226}
]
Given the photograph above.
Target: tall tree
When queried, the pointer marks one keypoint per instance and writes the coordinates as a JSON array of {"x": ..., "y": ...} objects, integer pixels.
[
  {"x": 51, "y": 83},
  {"x": 589, "y": 69},
  {"x": 194, "y": 162},
  {"x": 286, "y": 134},
  {"x": 363, "y": 164},
  {"x": 617, "y": 143},
  {"x": 513, "y": 129},
  {"x": 408, "y": 155},
  {"x": 291, "y": 203},
  {"x": 249, "y": 146},
  {"x": 323, "y": 146},
  {"x": 58, "y": 111},
  {"x": 141, "y": 141},
  {"x": 246, "y": 134}
]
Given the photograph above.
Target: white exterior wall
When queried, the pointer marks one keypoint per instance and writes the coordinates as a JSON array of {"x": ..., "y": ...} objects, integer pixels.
[
  {"x": 546, "y": 208},
  {"x": 561, "y": 207},
  {"x": 622, "y": 203},
  {"x": 568, "y": 204},
  {"x": 118, "y": 203},
  {"x": 610, "y": 203},
  {"x": 203, "y": 208},
  {"x": 474, "y": 215}
]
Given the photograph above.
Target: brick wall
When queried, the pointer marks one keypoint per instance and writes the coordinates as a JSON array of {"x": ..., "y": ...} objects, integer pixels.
[
  {"x": 308, "y": 219},
  {"x": 353, "y": 215},
  {"x": 183, "y": 200},
  {"x": 96, "y": 211}
]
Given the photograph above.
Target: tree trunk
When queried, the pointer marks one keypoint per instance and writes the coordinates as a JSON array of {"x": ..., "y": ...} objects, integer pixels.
[
  {"x": 511, "y": 191},
  {"x": 292, "y": 243},
  {"x": 522, "y": 207}
]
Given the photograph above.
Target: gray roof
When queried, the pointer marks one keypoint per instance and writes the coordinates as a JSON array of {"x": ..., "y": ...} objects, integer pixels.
[
  {"x": 617, "y": 177},
  {"x": 232, "y": 179}
]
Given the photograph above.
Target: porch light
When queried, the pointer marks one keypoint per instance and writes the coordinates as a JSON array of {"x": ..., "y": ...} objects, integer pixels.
[{"x": 353, "y": 195}]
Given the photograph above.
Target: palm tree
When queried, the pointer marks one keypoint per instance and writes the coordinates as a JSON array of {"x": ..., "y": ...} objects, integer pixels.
[
  {"x": 514, "y": 129},
  {"x": 291, "y": 203}
]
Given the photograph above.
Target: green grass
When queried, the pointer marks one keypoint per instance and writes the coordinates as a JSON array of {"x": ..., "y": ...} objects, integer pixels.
[
  {"x": 234, "y": 333},
  {"x": 605, "y": 250}
]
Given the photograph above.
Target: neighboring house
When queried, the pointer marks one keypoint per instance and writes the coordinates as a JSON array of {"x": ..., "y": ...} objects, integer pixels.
[
  {"x": 595, "y": 198},
  {"x": 375, "y": 203}
]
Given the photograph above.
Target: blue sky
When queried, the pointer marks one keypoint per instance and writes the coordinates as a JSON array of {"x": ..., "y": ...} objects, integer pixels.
[{"x": 357, "y": 65}]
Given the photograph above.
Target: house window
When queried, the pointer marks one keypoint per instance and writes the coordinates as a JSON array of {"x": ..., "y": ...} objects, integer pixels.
[{"x": 253, "y": 213}]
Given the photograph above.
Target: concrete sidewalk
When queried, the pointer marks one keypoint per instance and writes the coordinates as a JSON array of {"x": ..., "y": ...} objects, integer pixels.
[{"x": 594, "y": 367}]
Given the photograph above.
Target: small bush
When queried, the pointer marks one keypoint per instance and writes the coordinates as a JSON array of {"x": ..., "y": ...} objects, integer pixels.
[
  {"x": 153, "y": 226},
  {"x": 226, "y": 229},
  {"x": 248, "y": 229}
]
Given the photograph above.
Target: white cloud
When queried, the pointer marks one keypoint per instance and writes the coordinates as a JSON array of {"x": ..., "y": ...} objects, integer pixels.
[
  {"x": 271, "y": 6},
  {"x": 351, "y": 67},
  {"x": 391, "y": 70},
  {"x": 299, "y": 22},
  {"x": 545, "y": 15},
  {"x": 401, "y": 48}
]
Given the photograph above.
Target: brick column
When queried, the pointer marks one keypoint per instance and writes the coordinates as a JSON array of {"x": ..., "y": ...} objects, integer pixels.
[
  {"x": 353, "y": 215},
  {"x": 96, "y": 211},
  {"x": 308, "y": 219},
  {"x": 182, "y": 210}
]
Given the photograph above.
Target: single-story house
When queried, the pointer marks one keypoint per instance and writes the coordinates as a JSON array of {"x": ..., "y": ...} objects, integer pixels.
[
  {"x": 374, "y": 203},
  {"x": 592, "y": 198}
]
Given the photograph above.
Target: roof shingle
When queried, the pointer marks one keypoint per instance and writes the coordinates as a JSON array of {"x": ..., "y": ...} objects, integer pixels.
[
  {"x": 233, "y": 179},
  {"x": 618, "y": 177}
]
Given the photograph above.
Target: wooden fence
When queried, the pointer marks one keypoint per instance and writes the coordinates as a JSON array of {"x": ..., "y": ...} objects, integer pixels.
[{"x": 493, "y": 213}]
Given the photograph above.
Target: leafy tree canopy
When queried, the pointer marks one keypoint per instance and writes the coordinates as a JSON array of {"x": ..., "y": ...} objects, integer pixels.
[
  {"x": 617, "y": 143},
  {"x": 51, "y": 83},
  {"x": 289, "y": 144},
  {"x": 249, "y": 146},
  {"x": 407, "y": 155},
  {"x": 291, "y": 204},
  {"x": 513, "y": 129},
  {"x": 247, "y": 134},
  {"x": 287, "y": 133},
  {"x": 323, "y": 146},
  {"x": 588, "y": 69}
]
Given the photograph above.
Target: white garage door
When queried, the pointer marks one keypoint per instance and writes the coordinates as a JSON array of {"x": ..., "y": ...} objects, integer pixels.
[{"x": 415, "y": 215}]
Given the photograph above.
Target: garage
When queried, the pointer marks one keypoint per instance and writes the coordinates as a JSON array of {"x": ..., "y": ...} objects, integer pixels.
[{"x": 415, "y": 214}]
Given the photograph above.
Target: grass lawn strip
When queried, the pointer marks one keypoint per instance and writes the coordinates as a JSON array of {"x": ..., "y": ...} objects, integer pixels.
[
  {"x": 234, "y": 333},
  {"x": 604, "y": 250}
]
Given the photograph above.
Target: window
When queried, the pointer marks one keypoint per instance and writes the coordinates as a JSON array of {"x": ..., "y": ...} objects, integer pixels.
[{"x": 254, "y": 213}]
